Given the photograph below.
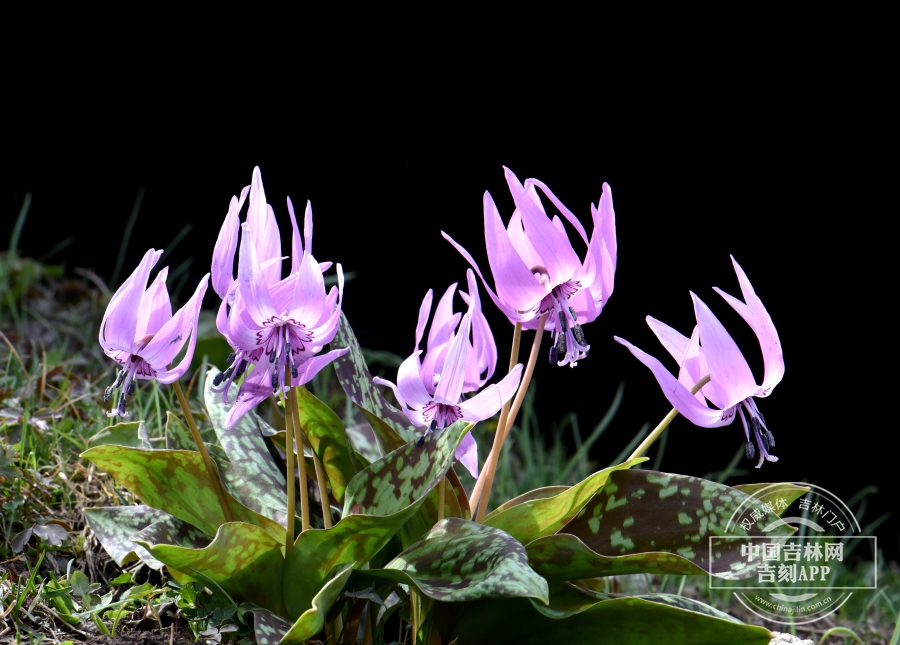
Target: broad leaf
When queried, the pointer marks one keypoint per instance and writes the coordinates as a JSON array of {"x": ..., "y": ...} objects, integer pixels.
[
  {"x": 115, "y": 525},
  {"x": 256, "y": 480},
  {"x": 357, "y": 382},
  {"x": 537, "y": 493},
  {"x": 378, "y": 501},
  {"x": 270, "y": 629},
  {"x": 326, "y": 435},
  {"x": 539, "y": 517},
  {"x": 458, "y": 560},
  {"x": 242, "y": 559},
  {"x": 778, "y": 496},
  {"x": 641, "y": 511},
  {"x": 619, "y": 621},
  {"x": 131, "y": 433},
  {"x": 174, "y": 481},
  {"x": 178, "y": 437}
]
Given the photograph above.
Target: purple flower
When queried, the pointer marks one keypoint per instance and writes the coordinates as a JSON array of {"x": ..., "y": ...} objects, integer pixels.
[
  {"x": 139, "y": 331},
  {"x": 536, "y": 271},
  {"x": 274, "y": 324},
  {"x": 430, "y": 391},
  {"x": 712, "y": 351}
]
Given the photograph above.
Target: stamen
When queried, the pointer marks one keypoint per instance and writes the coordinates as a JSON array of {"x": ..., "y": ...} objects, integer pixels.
[
  {"x": 554, "y": 354},
  {"x": 275, "y": 381},
  {"x": 121, "y": 406},
  {"x": 579, "y": 334},
  {"x": 132, "y": 386},
  {"x": 420, "y": 442},
  {"x": 770, "y": 437},
  {"x": 218, "y": 378},
  {"x": 563, "y": 326},
  {"x": 751, "y": 450},
  {"x": 120, "y": 375},
  {"x": 572, "y": 313},
  {"x": 293, "y": 371},
  {"x": 433, "y": 425},
  {"x": 272, "y": 355},
  {"x": 241, "y": 368},
  {"x": 561, "y": 344},
  {"x": 107, "y": 393},
  {"x": 230, "y": 358}
]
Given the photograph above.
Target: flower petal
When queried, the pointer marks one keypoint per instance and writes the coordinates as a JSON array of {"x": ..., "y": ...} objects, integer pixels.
[
  {"x": 727, "y": 367},
  {"x": 424, "y": 313},
  {"x": 257, "y": 387},
  {"x": 119, "y": 324},
  {"x": 486, "y": 403},
  {"x": 444, "y": 321},
  {"x": 308, "y": 369},
  {"x": 296, "y": 242},
  {"x": 170, "y": 339},
  {"x": 755, "y": 314},
  {"x": 467, "y": 454},
  {"x": 226, "y": 244},
  {"x": 569, "y": 215},
  {"x": 308, "y": 299},
  {"x": 678, "y": 395},
  {"x": 411, "y": 389},
  {"x": 253, "y": 282},
  {"x": 155, "y": 308},
  {"x": 673, "y": 341},
  {"x": 453, "y": 373}
]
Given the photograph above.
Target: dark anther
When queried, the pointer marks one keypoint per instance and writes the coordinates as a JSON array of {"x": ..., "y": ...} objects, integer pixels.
[
  {"x": 132, "y": 386},
  {"x": 579, "y": 334},
  {"x": 433, "y": 425},
  {"x": 218, "y": 378},
  {"x": 272, "y": 356},
  {"x": 119, "y": 376},
  {"x": 121, "y": 401},
  {"x": 230, "y": 358},
  {"x": 561, "y": 344},
  {"x": 287, "y": 349},
  {"x": 274, "y": 381},
  {"x": 420, "y": 442},
  {"x": 293, "y": 371},
  {"x": 134, "y": 358},
  {"x": 107, "y": 393},
  {"x": 562, "y": 323},
  {"x": 241, "y": 367},
  {"x": 554, "y": 353},
  {"x": 771, "y": 439},
  {"x": 572, "y": 312},
  {"x": 764, "y": 441},
  {"x": 751, "y": 450}
]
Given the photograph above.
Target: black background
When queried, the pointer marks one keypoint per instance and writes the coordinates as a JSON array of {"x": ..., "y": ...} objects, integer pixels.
[{"x": 785, "y": 176}]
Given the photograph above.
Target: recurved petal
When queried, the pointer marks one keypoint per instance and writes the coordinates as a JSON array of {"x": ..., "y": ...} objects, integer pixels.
[
  {"x": 257, "y": 387},
  {"x": 516, "y": 284},
  {"x": 411, "y": 391},
  {"x": 424, "y": 312},
  {"x": 756, "y": 315},
  {"x": 674, "y": 342},
  {"x": 453, "y": 373},
  {"x": 222, "y": 270},
  {"x": 170, "y": 339},
  {"x": 467, "y": 454},
  {"x": 415, "y": 416},
  {"x": 569, "y": 215},
  {"x": 119, "y": 324},
  {"x": 678, "y": 395},
  {"x": 307, "y": 302},
  {"x": 444, "y": 321},
  {"x": 296, "y": 242},
  {"x": 308, "y": 369},
  {"x": 486, "y": 403},
  {"x": 728, "y": 368},
  {"x": 155, "y": 308}
]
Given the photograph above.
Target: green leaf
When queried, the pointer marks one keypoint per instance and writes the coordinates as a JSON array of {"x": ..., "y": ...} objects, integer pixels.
[
  {"x": 458, "y": 560},
  {"x": 773, "y": 494},
  {"x": 378, "y": 502},
  {"x": 132, "y": 433},
  {"x": 388, "y": 438},
  {"x": 618, "y": 621},
  {"x": 242, "y": 559},
  {"x": 641, "y": 511},
  {"x": 178, "y": 437},
  {"x": 253, "y": 478},
  {"x": 537, "y": 493},
  {"x": 326, "y": 435},
  {"x": 357, "y": 383},
  {"x": 174, "y": 481},
  {"x": 565, "y": 557},
  {"x": 539, "y": 517},
  {"x": 115, "y": 525},
  {"x": 270, "y": 629}
]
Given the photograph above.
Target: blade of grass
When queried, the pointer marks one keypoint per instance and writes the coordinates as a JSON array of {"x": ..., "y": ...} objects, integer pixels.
[
  {"x": 126, "y": 236},
  {"x": 607, "y": 418}
]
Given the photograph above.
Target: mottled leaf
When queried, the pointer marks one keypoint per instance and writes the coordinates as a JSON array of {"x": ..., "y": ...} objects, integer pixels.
[
  {"x": 325, "y": 432},
  {"x": 640, "y": 511},
  {"x": 388, "y": 438},
  {"x": 774, "y": 494},
  {"x": 115, "y": 525},
  {"x": 270, "y": 629},
  {"x": 565, "y": 557},
  {"x": 132, "y": 433},
  {"x": 178, "y": 437},
  {"x": 254, "y": 479},
  {"x": 379, "y": 500},
  {"x": 364, "y": 442},
  {"x": 619, "y": 621},
  {"x": 357, "y": 382},
  {"x": 243, "y": 560},
  {"x": 537, "y": 493},
  {"x": 174, "y": 481},
  {"x": 539, "y": 517},
  {"x": 458, "y": 560}
]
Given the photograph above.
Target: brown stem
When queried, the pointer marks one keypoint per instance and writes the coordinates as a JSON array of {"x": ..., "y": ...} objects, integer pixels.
[
  {"x": 301, "y": 462},
  {"x": 503, "y": 430},
  {"x": 289, "y": 463},
  {"x": 207, "y": 462}
]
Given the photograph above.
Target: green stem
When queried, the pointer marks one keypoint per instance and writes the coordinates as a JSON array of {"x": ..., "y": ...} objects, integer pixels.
[
  {"x": 658, "y": 430},
  {"x": 442, "y": 493},
  {"x": 289, "y": 464},
  {"x": 207, "y": 462},
  {"x": 301, "y": 462},
  {"x": 503, "y": 430},
  {"x": 320, "y": 473}
]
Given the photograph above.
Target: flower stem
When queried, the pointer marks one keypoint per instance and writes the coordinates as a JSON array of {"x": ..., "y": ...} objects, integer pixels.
[
  {"x": 658, "y": 430},
  {"x": 442, "y": 492},
  {"x": 301, "y": 462},
  {"x": 491, "y": 467},
  {"x": 475, "y": 499},
  {"x": 204, "y": 454},
  {"x": 289, "y": 465}
]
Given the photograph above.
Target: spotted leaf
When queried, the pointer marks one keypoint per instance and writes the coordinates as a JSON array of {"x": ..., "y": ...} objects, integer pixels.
[
  {"x": 242, "y": 559},
  {"x": 131, "y": 433},
  {"x": 114, "y": 526},
  {"x": 539, "y": 517},
  {"x": 641, "y": 511},
  {"x": 778, "y": 496},
  {"x": 458, "y": 560},
  {"x": 627, "y": 621},
  {"x": 178, "y": 437},
  {"x": 378, "y": 502},
  {"x": 174, "y": 481}
]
